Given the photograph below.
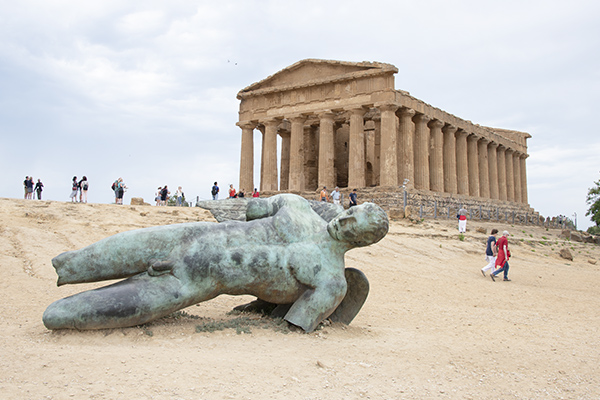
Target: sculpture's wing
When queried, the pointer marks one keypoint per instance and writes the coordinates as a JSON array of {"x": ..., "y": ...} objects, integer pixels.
[
  {"x": 356, "y": 295},
  {"x": 327, "y": 211},
  {"x": 227, "y": 209}
]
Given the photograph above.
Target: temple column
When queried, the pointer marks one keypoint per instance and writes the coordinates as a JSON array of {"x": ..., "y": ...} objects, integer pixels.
[
  {"x": 421, "y": 151},
  {"x": 297, "y": 154},
  {"x": 326, "y": 150},
  {"x": 356, "y": 145},
  {"x": 523, "y": 175},
  {"x": 517, "y": 177},
  {"x": 269, "y": 163},
  {"x": 510, "y": 177},
  {"x": 284, "y": 162},
  {"x": 449, "y": 159},
  {"x": 377, "y": 161},
  {"x": 436, "y": 165},
  {"x": 406, "y": 142},
  {"x": 462, "y": 164},
  {"x": 493, "y": 170},
  {"x": 247, "y": 156},
  {"x": 473, "y": 160},
  {"x": 388, "y": 164},
  {"x": 502, "y": 172},
  {"x": 484, "y": 175}
]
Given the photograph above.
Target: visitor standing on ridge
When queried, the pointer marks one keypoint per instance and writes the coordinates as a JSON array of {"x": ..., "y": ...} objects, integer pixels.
[{"x": 215, "y": 192}]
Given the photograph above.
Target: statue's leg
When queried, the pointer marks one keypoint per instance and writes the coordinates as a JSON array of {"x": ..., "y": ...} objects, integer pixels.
[{"x": 131, "y": 302}]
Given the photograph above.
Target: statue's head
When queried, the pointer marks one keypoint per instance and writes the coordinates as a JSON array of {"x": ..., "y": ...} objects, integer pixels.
[{"x": 360, "y": 225}]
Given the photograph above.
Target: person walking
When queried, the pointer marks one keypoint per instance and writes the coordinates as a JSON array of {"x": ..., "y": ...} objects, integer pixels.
[
  {"x": 83, "y": 187},
  {"x": 215, "y": 191},
  {"x": 120, "y": 187},
  {"x": 25, "y": 187},
  {"x": 164, "y": 195},
  {"x": 353, "y": 198},
  {"x": 74, "y": 189},
  {"x": 491, "y": 252},
  {"x": 30, "y": 188},
  {"x": 462, "y": 220},
  {"x": 336, "y": 196},
  {"x": 38, "y": 189},
  {"x": 179, "y": 195},
  {"x": 323, "y": 196},
  {"x": 503, "y": 256}
]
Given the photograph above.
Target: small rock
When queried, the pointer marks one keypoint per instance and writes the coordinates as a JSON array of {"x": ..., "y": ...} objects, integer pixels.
[
  {"x": 593, "y": 262},
  {"x": 482, "y": 230},
  {"x": 566, "y": 254}
]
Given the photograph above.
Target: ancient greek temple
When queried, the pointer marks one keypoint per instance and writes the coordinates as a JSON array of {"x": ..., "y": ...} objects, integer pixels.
[{"x": 344, "y": 124}]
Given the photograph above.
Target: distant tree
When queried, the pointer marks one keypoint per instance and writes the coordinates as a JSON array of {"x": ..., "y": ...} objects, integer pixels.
[{"x": 593, "y": 199}]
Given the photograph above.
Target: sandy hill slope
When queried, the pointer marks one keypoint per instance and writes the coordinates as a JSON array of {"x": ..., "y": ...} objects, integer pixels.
[{"x": 432, "y": 327}]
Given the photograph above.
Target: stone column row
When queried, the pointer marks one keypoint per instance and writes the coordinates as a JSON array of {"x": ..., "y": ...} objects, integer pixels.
[{"x": 431, "y": 154}]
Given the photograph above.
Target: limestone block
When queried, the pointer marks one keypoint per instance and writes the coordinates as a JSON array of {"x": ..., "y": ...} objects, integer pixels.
[
  {"x": 482, "y": 230},
  {"x": 395, "y": 214},
  {"x": 566, "y": 254},
  {"x": 138, "y": 201},
  {"x": 576, "y": 236}
]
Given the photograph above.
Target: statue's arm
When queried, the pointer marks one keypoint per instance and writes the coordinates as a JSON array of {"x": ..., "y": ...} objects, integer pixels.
[
  {"x": 317, "y": 303},
  {"x": 263, "y": 208},
  {"x": 323, "y": 275}
]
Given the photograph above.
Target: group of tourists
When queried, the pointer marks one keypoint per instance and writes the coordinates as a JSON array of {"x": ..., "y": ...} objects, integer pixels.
[
  {"x": 336, "y": 196},
  {"x": 29, "y": 188},
  {"x": 79, "y": 188},
  {"x": 232, "y": 194}
]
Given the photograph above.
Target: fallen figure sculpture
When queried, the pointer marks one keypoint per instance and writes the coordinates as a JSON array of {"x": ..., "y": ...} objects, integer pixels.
[{"x": 285, "y": 254}]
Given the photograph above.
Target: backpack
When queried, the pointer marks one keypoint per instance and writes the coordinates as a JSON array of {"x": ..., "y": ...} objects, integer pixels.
[
  {"x": 214, "y": 190},
  {"x": 85, "y": 186},
  {"x": 113, "y": 186}
]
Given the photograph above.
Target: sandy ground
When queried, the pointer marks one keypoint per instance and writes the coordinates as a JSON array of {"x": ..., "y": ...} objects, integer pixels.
[{"x": 432, "y": 327}]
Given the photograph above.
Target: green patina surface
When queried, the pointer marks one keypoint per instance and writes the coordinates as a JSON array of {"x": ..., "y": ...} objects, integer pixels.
[{"x": 284, "y": 254}]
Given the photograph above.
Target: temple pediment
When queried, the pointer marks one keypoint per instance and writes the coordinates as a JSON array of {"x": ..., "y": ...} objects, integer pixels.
[{"x": 313, "y": 72}]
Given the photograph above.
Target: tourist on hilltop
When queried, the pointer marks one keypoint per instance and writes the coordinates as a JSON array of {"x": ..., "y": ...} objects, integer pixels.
[
  {"x": 119, "y": 187},
  {"x": 215, "y": 192},
  {"x": 503, "y": 256},
  {"x": 323, "y": 196},
  {"x": 241, "y": 194},
  {"x": 232, "y": 193},
  {"x": 164, "y": 195},
  {"x": 336, "y": 196},
  {"x": 25, "y": 186},
  {"x": 74, "y": 190},
  {"x": 157, "y": 196},
  {"x": 255, "y": 193},
  {"x": 30, "y": 188},
  {"x": 179, "y": 195},
  {"x": 491, "y": 252},
  {"x": 462, "y": 220},
  {"x": 38, "y": 189},
  {"x": 353, "y": 198},
  {"x": 83, "y": 189}
]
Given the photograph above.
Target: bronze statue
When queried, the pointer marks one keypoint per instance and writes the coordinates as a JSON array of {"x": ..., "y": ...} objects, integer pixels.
[{"x": 284, "y": 253}]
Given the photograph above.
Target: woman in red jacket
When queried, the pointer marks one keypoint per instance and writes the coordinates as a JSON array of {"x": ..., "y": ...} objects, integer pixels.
[{"x": 503, "y": 256}]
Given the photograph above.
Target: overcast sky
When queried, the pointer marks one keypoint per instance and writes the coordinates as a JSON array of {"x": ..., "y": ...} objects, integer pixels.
[{"x": 146, "y": 90}]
